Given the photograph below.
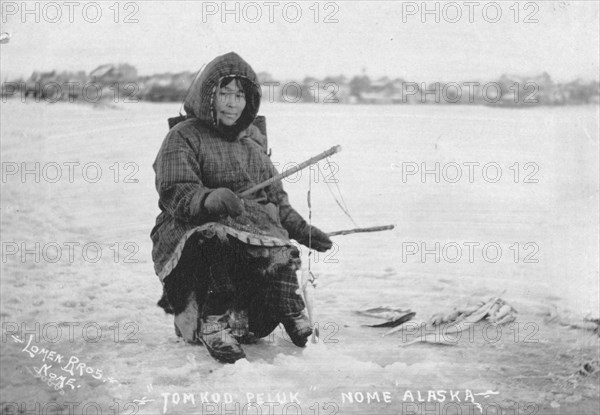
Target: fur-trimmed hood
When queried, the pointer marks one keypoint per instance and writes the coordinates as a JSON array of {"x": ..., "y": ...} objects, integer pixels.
[{"x": 199, "y": 102}]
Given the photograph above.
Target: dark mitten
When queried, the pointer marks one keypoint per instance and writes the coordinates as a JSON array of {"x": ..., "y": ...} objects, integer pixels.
[
  {"x": 319, "y": 241},
  {"x": 298, "y": 229},
  {"x": 223, "y": 201}
]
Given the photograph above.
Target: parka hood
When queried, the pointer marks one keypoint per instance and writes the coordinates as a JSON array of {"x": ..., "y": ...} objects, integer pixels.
[{"x": 199, "y": 102}]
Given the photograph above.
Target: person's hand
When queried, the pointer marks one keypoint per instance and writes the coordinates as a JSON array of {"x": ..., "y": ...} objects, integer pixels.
[
  {"x": 319, "y": 240},
  {"x": 223, "y": 201}
]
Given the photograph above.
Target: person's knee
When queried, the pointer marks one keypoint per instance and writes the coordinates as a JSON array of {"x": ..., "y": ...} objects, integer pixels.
[
  {"x": 177, "y": 289},
  {"x": 262, "y": 328}
]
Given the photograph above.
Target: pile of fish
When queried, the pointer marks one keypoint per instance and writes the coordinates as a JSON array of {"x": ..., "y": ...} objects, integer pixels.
[{"x": 496, "y": 310}]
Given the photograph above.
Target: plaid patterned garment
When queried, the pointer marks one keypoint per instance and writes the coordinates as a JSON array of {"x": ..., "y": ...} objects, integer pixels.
[{"x": 197, "y": 157}]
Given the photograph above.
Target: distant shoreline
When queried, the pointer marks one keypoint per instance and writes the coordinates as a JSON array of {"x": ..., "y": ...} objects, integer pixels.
[{"x": 121, "y": 83}]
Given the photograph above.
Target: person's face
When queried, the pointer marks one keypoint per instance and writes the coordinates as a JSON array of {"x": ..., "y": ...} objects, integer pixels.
[{"x": 230, "y": 103}]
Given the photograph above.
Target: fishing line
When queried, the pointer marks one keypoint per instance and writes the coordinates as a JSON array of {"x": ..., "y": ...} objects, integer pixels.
[
  {"x": 309, "y": 222},
  {"x": 311, "y": 277},
  {"x": 339, "y": 190},
  {"x": 342, "y": 205}
]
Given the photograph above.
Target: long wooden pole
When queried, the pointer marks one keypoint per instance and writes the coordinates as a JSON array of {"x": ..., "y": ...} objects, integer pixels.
[
  {"x": 289, "y": 172},
  {"x": 359, "y": 230}
]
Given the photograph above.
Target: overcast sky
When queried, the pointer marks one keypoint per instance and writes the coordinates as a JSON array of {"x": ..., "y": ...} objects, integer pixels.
[{"x": 177, "y": 36}]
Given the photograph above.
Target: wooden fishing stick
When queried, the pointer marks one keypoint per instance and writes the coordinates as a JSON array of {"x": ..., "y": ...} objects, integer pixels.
[
  {"x": 289, "y": 172},
  {"x": 359, "y": 230}
]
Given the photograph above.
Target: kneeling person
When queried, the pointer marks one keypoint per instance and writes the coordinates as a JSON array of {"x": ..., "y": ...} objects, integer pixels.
[{"x": 227, "y": 265}]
